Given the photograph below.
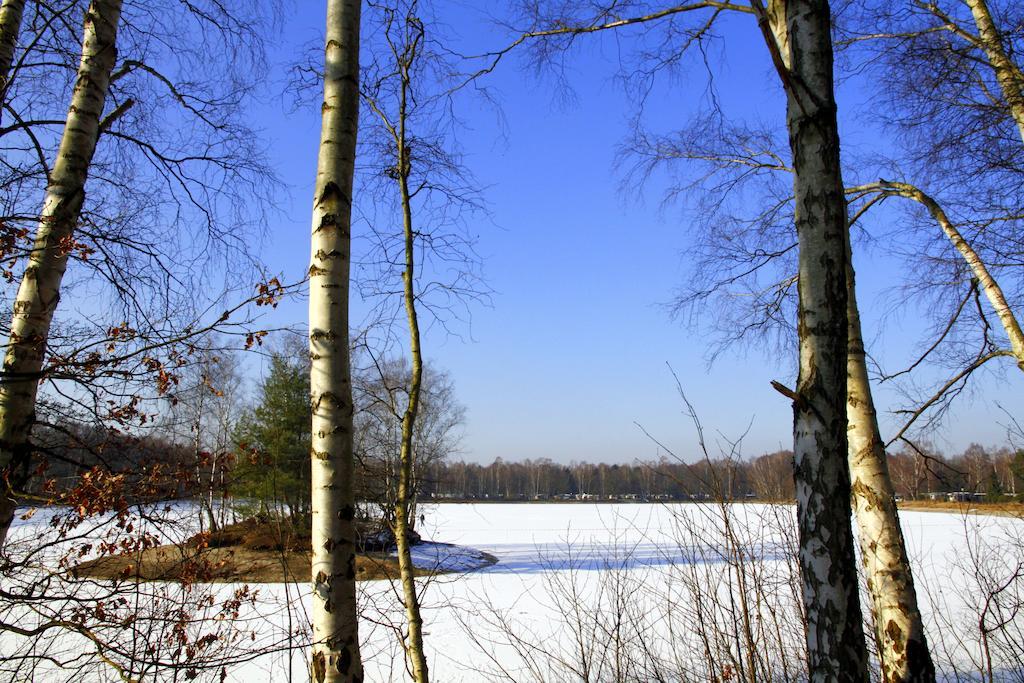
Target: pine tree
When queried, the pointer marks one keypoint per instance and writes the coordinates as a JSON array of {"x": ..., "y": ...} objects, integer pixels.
[{"x": 273, "y": 467}]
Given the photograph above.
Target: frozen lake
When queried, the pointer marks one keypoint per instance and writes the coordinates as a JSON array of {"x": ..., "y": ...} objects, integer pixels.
[{"x": 605, "y": 592}]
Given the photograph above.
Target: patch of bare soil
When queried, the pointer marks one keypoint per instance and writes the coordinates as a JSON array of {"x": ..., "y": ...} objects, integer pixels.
[{"x": 247, "y": 552}]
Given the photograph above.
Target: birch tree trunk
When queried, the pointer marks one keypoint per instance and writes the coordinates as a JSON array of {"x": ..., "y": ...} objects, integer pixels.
[
  {"x": 11, "y": 12},
  {"x": 1008, "y": 73},
  {"x": 902, "y": 646},
  {"x": 39, "y": 290},
  {"x": 336, "y": 656},
  {"x": 993, "y": 292},
  {"x": 1011, "y": 82},
  {"x": 835, "y": 637}
]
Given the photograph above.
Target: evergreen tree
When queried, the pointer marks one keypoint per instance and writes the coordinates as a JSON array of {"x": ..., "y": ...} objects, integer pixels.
[{"x": 273, "y": 467}]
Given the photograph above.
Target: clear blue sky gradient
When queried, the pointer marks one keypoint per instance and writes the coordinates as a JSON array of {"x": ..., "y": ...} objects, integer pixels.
[{"x": 575, "y": 350}]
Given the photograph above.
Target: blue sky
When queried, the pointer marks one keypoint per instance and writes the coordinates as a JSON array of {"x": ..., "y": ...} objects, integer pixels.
[{"x": 576, "y": 347}]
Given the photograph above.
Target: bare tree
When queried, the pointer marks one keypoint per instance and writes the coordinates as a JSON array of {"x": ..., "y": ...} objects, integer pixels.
[
  {"x": 771, "y": 476},
  {"x": 798, "y": 38},
  {"x": 963, "y": 54},
  {"x": 952, "y": 96},
  {"x": 406, "y": 485},
  {"x": 404, "y": 33},
  {"x": 749, "y": 252},
  {"x": 899, "y": 628},
  {"x": 1007, "y": 72},
  {"x": 40, "y": 286},
  {"x": 802, "y": 53},
  {"x": 120, "y": 257},
  {"x": 982, "y": 280},
  {"x": 203, "y": 411},
  {"x": 11, "y": 12},
  {"x": 336, "y": 654},
  {"x": 408, "y": 89},
  {"x": 380, "y": 389}
]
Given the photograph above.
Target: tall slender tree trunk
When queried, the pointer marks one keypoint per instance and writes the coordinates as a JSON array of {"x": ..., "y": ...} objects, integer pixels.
[
  {"x": 1008, "y": 73},
  {"x": 835, "y": 637},
  {"x": 11, "y": 12},
  {"x": 406, "y": 485},
  {"x": 39, "y": 290},
  {"x": 336, "y": 656},
  {"x": 899, "y": 629}
]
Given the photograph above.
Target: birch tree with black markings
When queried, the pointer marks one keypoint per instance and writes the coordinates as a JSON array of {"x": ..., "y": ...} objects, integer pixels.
[
  {"x": 336, "y": 656},
  {"x": 797, "y": 35},
  {"x": 39, "y": 291},
  {"x": 802, "y": 54},
  {"x": 11, "y": 12}
]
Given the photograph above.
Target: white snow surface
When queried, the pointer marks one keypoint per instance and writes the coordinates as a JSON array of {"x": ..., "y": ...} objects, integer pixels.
[{"x": 545, "y": 551}]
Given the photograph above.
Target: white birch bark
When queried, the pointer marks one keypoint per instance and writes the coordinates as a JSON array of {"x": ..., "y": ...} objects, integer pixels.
[
  {"x": 835, "y": 639},
  {"x": 899, "y": 629},
  {"x": 986, "y": 281},
  {"x": 336, "y": 656},
  {"x": 903, "y": 651},
  {"x": 1008, "y": 73},
  {"x": 1011, "y": 82},
  {"x": 11, "y": 12},
  {"x": 39, "y": 290}
]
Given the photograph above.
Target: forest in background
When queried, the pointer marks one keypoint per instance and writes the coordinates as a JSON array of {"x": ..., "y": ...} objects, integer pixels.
[
  {"x": 995, "y": 474},
  {"x": 132, "y": 174}
]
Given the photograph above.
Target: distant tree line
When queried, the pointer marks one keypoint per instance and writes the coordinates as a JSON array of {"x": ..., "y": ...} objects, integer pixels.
[
  {"x": 993, "y": 472},
  {"x": 149, "y": 467},
  {"x": 767, "y": 477},
  {"x": 996, "y": 472}
]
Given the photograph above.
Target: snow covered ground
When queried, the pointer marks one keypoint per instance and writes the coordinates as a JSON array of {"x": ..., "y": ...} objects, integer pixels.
[{"x": 565, "y": 572}]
